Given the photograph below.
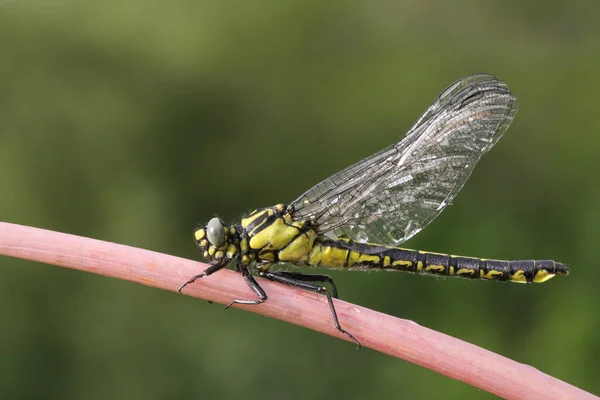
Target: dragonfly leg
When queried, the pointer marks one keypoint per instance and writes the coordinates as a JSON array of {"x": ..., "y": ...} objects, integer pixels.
[
  {"x": 210, "y": 270},
  {"x": 262, "y": 296},
  {"x": 299, "y": 276},
  {"x": 305, "y": 284}
]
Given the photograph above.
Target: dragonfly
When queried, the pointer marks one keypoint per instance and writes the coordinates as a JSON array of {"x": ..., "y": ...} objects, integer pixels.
[{"x": 356, "y": 218}]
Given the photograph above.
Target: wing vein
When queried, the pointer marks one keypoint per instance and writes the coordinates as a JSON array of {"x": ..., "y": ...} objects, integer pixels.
[{"x": 393, "y": 194}]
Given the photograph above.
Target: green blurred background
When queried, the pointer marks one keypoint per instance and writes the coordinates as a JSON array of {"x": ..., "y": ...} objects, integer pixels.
[{"x": 132, "y": 121}]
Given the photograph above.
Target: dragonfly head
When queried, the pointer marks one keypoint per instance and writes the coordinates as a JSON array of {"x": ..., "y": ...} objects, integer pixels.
[{"x": 215, "y": 239}]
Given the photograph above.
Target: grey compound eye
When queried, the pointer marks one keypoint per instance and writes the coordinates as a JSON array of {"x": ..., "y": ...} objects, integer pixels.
[{"x": 215, "y": 232}]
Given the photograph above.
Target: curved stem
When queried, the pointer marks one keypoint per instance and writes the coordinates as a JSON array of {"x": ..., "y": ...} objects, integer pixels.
[{"x": 384, "y": 333}]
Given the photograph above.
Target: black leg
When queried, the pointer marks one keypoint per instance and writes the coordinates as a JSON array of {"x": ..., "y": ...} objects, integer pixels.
[
  {"x": 299, "y": 276},
  {"x": 210, "y": 270},
  {"x": 306, "y": 285},
  {"x": 262, "y": 296}
]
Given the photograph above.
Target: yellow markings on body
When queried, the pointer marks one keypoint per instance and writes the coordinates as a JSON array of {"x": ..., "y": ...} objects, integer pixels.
[
  {"x": 287, "y": 218},
  {"x": 542, "y": 276},
  {"x": 205, "y": 254},
  {"x": 386, "y": 261},
  {"x": 246, "y": 259},
  {"x": 298, "y": 224},
  {"x": 491, "y": 274},
  {"x": 356, "y": 259},
  {"x": 419, "y": 266},
  {"x": 200, "y": 234},
  {"x": 435, "y": 268},
  {"x": 274, "y": 237},
  {"x": 254, "y": 216},
  {"x": 332, "y": 257},
  {"x": 211, "y": 251},
  {"x": 353, "y": 257},
  {"x": 298, "y": 249},
  {"x": 364, "y": 258},
  {"x": 231, "y": 251},
  {"x": 406, "y": 264},
  {"x": 451, "y": 270},
  {"x": 219, "y": 254},
  {"x": 465, "y": 271},
  {"x": 263, "y": 266},
  {"x": 267, "y": 255},
  {"x": 518, "y": 276},
  {"x": 314, "y": 257},
  {"x": 431, "y": 252},
  {"x": 250, "y": 218},
  {"x": 203, "y": 243},
  {"x": 244, "y": 245}
]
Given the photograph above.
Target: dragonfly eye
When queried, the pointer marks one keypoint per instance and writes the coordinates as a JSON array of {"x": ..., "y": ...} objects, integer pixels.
[{"x": 215, "y": 232}]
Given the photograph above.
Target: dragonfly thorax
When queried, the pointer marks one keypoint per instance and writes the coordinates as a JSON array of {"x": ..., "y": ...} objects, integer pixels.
[{"x": 273, "y": 235}]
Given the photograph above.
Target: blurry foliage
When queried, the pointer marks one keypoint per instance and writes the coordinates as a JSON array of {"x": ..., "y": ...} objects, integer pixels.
[{"x": 132, "y": 121}]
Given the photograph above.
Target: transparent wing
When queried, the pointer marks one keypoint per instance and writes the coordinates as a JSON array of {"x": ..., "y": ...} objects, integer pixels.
[{"x": 390, "y": 196}]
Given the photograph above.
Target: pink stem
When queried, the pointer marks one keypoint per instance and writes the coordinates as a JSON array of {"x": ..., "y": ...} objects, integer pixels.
[{"x": 387, "y": 334}]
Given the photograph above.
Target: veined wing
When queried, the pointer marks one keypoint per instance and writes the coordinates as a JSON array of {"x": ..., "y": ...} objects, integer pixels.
[{"x": 390, "y": 196}]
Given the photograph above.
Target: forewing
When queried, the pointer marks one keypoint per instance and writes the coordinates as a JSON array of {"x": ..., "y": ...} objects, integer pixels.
[{"x": 390, "y": 196}]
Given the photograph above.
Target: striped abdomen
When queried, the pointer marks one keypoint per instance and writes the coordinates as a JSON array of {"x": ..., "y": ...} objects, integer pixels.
[{"x": 352, "y": 255}]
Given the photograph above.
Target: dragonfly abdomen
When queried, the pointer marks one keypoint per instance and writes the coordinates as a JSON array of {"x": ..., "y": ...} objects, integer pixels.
[
  {"x": 520, "y": 271},
  {"x": 353, "y": 255}
]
